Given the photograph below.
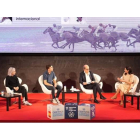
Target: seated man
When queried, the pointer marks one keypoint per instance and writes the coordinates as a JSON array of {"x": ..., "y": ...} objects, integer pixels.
[
  {"x": 88, "y": 81},
  {"x": 50, "y": 83}
]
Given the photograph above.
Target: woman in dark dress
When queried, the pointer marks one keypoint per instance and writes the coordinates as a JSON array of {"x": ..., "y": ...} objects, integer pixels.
[{"x": 13, "y": 83}]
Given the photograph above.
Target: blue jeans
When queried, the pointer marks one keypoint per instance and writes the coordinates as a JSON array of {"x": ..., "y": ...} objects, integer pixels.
[{"x": 52, "y": 88}]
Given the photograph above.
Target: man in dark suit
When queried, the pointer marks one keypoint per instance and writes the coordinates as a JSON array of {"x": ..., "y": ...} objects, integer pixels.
[{"x": 88, "y": 81}]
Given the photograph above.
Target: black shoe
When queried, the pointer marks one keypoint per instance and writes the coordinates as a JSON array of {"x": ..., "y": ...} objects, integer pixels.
[
  {"x": 96, "y": 101},
  {"x": 102, "y": 97}
]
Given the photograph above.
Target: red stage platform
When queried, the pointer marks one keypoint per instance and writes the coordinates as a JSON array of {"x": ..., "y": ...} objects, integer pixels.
[{"x": 107, "y": 111}]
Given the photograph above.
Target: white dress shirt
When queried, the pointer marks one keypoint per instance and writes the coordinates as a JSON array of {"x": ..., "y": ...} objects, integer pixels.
[{"x": 88, "y": 80}]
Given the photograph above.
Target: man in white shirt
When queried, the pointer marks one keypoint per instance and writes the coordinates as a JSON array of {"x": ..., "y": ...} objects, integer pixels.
[{"x": 88, "y": 81}]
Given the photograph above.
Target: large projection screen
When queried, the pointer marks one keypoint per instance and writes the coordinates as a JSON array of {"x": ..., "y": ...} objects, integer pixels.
[{"x": 69, "y": 34}]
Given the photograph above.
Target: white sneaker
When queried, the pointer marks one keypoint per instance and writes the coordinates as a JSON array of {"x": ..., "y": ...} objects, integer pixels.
[
  {"x": 27, "y": 103},
  {"x": 54, "y": 101},
  {"x": 57, "y": 100}
]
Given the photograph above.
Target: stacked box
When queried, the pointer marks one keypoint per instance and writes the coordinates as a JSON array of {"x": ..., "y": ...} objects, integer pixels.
[
  {"x": 71, "y": 111},
  {"x": 86, "y": 111},
  {"x": 55, "y": 112}
]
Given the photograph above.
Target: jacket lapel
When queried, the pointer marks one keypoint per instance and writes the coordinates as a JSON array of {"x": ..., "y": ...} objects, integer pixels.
[
  {"x": 84, "y": 77},
  {"x": 90, "y": 75}
]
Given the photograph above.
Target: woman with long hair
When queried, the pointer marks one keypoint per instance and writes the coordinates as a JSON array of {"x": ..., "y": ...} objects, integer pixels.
[
  {"x": 126, "y": 84},
  {"x": 13, "y": 83}
]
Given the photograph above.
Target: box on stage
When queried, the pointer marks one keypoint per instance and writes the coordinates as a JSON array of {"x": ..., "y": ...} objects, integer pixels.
[
  {"x": 86, "y": 111},
  {"x": 71, "y": 111},
  {"x": 55, "y": 112}
]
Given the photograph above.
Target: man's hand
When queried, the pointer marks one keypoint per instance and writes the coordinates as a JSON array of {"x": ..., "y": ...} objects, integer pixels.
[
  {"x": 16, "y": 88},
  {"x": 84, "y": 83},
  {"x": 93, "y": 82}
]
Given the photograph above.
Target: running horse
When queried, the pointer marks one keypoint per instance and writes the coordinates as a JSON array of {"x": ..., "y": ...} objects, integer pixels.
[
  {"x": 113, "y": 38},
  {"x": 54, "y": 36},
  {"x": 135, "y": 34},
  {"x": 71, "y": 38}
]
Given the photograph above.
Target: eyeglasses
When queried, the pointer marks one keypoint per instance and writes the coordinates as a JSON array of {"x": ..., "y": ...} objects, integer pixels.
[{"x": 86, "y": 69}]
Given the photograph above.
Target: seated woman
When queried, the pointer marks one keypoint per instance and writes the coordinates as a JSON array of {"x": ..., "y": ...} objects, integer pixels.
[
  {"x": 13, "y": 83},
  {"x": 126, "y": 85}
]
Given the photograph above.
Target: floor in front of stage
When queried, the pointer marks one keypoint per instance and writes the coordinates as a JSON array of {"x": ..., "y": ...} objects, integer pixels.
[{"x": 107, "y": 111}]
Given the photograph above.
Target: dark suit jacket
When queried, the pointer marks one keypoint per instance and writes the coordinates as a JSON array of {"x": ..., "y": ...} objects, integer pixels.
[{"x": 83, "y": 77}]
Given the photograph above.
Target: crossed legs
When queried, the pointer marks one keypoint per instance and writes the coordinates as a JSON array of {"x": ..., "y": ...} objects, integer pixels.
[
  {"x": 95, "y": 87},
  {"x": 121, "y": 95}
]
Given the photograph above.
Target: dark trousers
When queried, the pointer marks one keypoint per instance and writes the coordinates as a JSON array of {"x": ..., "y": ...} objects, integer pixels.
[
  {"x": 23, "y": 91},
  {"x": 52, "y": 88},
  {"x": 95, "y": 87}
]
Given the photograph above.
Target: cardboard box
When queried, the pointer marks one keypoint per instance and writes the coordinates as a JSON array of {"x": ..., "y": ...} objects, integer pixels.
[
  {"x": 86, "y": 111},
  {"x": 55, "y": 112},
  {"x": 71, "y": 111}
]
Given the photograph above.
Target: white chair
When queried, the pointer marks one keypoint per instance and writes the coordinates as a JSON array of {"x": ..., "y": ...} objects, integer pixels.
[
  {"x": 8, "y": 90},
  {"x": 90, "y": 91},
  {"x": 136, "y": 81},
  {"x": 45, "y": 90}
]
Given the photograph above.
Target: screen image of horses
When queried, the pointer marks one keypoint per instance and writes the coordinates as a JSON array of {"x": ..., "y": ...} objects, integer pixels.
[{"x": 71, "y": 35}]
